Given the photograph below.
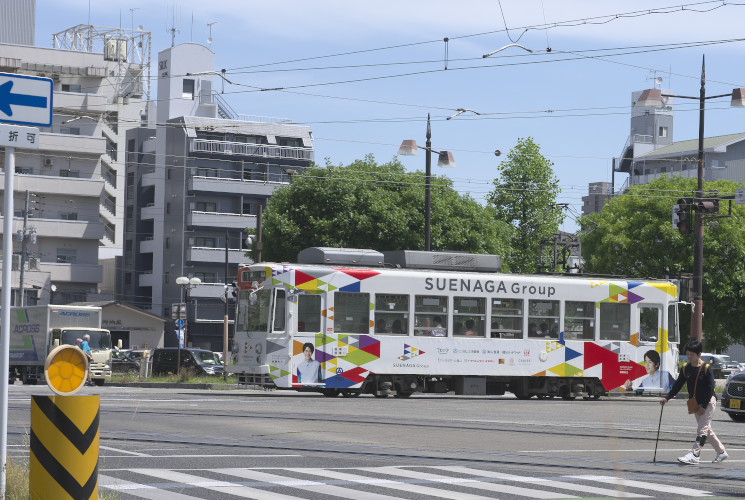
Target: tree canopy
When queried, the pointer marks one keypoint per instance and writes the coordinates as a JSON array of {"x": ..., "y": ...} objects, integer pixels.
[
  {"x": 524, "y": 196},
  {"x": 371, "y": 205},
  {"x": 633, "y": 236}
]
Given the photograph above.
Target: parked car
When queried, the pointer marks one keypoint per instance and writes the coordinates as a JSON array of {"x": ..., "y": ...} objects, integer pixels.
[
  {"x": 733, "y": 397},
  {"x": 722, "y": 364},
  {"x": 201, "y": 361},
  {"x": 122, "y": 361}
]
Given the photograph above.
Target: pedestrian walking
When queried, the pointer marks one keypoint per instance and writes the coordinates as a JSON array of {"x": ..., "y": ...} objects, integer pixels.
[{"x": 702, "y": 403}]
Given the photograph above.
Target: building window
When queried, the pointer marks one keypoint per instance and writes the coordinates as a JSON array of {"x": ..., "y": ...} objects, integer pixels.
[
  {"x": 168, "y": 207},
  {"x": 205, "y": 242},
  {"x": 206, "y": 277},
  {"x": 71, "y": 87},
  {"x": 24, "y": 170},
  {"x": 168, "y": 242},
  {"x": 69, "y": 130},
  {"x": 188, "y": 92},
  {"x": 663, "y": 132},
  {"x": 206, "y": 206},
  {"x": 166, "y": 277},
  {"x": 69, "y": 173},
  {"x": 67, "y": 256}
]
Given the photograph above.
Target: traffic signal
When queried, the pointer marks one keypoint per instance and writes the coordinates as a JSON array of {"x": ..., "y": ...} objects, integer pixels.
[
  {"x": 682, "y": 215},
  {"x": 707, "y": 206}
]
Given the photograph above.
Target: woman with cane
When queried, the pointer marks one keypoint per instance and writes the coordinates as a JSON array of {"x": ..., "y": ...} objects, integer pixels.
[{"x": 702, "y": 402}]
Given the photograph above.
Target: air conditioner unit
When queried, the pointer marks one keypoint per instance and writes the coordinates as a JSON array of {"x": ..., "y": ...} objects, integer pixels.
[
  {"x": 48, "y": 162},
  {"x": 33, "y": 264},
  {"x": 16, "y": 262}
]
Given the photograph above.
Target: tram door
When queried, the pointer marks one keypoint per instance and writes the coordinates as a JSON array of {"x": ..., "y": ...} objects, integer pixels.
[{"x": 307, "y": 359}]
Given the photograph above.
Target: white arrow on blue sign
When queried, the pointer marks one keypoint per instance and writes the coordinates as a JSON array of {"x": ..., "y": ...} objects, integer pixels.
[{"x": 26, "y": 100}]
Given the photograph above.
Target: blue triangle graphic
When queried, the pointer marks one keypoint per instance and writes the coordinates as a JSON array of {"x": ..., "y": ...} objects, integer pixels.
[{"x": 570, "y": 354}]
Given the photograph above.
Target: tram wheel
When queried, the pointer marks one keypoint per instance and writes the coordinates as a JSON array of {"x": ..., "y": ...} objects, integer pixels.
[
  {"x": 523, "y": 395},
  {"x": 381, "y": 396},
  {"x": 569, "y": 398},
  {"x": 350, "y": 394},
  {"x": 330, "y": 393},
  {"x": 591, "y": 398},
  {"x": 403, "y": 395}
]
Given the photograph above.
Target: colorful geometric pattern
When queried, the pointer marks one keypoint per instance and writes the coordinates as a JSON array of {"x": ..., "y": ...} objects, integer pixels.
[{"x": 410, "y": 352}]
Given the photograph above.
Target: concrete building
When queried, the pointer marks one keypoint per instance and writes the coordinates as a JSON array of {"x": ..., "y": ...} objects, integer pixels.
[
  {"x": 75, "y": 181},
  {"x": 195, "y": 181},
  {"x": 650, "y": 151},
  {"x": 598, "y": 195}
]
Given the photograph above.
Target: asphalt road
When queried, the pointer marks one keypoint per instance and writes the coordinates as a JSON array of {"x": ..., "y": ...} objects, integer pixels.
[{"x": 185, "y": 444}]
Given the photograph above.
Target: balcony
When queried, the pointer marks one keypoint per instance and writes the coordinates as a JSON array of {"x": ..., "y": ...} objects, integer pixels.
[
  {"x": 150, "y": 177},
  {"x": 244, "y": 149},
  {"x": 207, "y": 291},
  {"x": 44, "y": 184},
  {"x": 216, "y": 255},
  {"x": 78, "y": 273},
  {"x": 76, "y": 145},
  {"x": 148, "y": 246},
  {"x": 233, "y": 186},
  {"x": 146, "y": 279},
  {"x": 222, "y": 220},
  {"x": 94, "y": 103},
  {"x": 149, "y": 212},
  {"x": 57, "y": 228}
]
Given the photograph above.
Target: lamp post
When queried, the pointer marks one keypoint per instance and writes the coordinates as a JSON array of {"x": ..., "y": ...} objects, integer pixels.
[
  {"x": 653, "y": 97},
  {"x": 445, "y": 159},
  {"x": 185, "y": 284}
]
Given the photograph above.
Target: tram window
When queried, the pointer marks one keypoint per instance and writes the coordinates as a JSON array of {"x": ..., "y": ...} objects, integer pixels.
[
  {"x": 391, "y": 314},
  {"x": 352, "y": 312},
  {"x": 579, "y": 320},
  {"x": 257, "y": 318},
  {"x": 615, "y": 321},
  {"x": 507, "y": 318},
  {"x": 543, "y": 319},
  {"x": 309, "y": 313},
  {"x": 672, "y": 324},
  {"x": 430, "y": 316},
  {"x": 469, "y": 316},
  {"x": 280, "y": 304},
  {"x": 649, "y": 323}
]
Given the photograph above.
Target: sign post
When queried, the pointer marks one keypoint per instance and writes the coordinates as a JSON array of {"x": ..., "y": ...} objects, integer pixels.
[{"x": 24, "y": 100}]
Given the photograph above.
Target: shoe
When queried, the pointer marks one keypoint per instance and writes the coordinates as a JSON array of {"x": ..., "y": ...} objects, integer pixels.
[
  {"x": 721, "y": 457},
  {"x": 689, "y": 459}
]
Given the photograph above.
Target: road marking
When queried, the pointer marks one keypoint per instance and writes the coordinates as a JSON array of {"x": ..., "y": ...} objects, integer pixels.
[
  {"x": 546, "y": 482},
  {"x": 611, "y": 450},
  {"x": 468, "y": 482},
  {"x": 218, "y": 486},
  {"x": 315, "y": 486},
  {"x": 124, "y": 451},
  {"x": 140, "y": 490},
  {"x": 662, "y": 488},
  {"x": 386, "y": 483}
]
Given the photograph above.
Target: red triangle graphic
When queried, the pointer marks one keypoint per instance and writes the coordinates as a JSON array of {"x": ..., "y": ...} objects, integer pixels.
[
  {"x": 373, "y": 349},
  {"x": 615, "y": 373},
  {"x": 301, "y": 277},
  {"x": 359, "y": 274}
]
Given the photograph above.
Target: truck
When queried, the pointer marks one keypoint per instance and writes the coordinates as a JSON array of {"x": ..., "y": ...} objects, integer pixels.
[{"x": 36, "y": 330}]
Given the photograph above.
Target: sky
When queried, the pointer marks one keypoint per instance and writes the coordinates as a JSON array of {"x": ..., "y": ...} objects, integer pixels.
[{"x": 364, "y": 75}]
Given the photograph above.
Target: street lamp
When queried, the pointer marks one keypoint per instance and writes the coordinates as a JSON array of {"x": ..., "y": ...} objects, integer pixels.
[
  {"x": 653, "y": 97},
  {"x": 445, "y": 159}
]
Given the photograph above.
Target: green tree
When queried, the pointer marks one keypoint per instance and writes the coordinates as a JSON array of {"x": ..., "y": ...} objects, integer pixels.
[
  {"x": 633, "y": 236},
  {"x": 524, "y": 196},
  {"x": 370, "y": 205}
]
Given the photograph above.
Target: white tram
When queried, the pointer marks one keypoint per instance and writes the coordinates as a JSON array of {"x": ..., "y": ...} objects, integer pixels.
[{"x": 354, "y": 321}]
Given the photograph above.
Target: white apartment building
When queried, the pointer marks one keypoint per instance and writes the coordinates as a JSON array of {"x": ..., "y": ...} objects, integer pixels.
[{"x": 75, "y": 181}]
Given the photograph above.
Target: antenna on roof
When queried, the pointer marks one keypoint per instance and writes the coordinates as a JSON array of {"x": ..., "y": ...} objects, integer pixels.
[{"x": 173, "y": 29}]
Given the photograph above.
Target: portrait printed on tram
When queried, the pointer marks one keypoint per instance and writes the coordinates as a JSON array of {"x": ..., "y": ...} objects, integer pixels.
[
  {"x": 656, "y": 380},
  {"x": 308, "y": 369}
]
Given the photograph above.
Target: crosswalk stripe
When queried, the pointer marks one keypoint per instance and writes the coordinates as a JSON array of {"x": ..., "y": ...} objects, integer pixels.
[
  {"x": 387, "y": 483},
  {"x": 315, "y": 486},
  {"x": 221, "y": 486},
  {"x": 140, "y": 490},
  {"x": 662, "y": 488},
  {"x": 469, "y": 482},
  {"x": 546, "y": 482}
]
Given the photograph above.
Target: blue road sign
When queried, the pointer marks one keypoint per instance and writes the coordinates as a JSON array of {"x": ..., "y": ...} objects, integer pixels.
[
  {"x": 26, "y": 100},
  {"x": 180, "y": 323}
]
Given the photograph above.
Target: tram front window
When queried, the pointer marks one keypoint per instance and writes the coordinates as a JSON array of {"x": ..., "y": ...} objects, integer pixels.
[{"x": 257, "y": 314}]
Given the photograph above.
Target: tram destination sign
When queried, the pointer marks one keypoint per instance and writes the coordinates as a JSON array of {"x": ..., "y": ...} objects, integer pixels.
[{"x": 26, "y": 100}]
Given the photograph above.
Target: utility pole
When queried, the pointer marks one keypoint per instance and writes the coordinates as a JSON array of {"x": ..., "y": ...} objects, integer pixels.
[
  {"x": 225, "y": 317},
  {"x": 25, "y": 235}
]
